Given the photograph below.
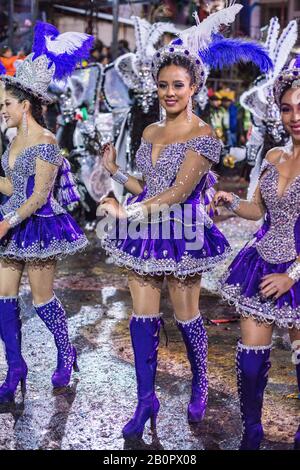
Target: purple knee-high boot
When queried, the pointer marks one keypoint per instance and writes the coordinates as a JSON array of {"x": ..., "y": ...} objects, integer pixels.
[
  {"x": 53, "y": 314},
  {"x": 297, "y": 435},
  {"x": 10, "y": 333},
  {"x": 252, "y": 366},
  {"x": 195, "y": 339},
  {"x": 144, "y": 333}
]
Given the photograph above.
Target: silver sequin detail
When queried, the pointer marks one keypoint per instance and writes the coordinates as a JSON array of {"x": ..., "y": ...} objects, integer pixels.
[
  {"x": 33, "y": 76},
  {"x": 23, "y": 169},
  {"x": 161, "y": 176},
  {"x": 278, "y": 245}
]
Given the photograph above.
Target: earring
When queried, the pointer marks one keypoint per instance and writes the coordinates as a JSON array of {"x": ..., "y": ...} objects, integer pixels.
[
  {"x": 24, "y": 124},
  {"x": 189, "y": 109},
  {"x": 162, "y": 113}
]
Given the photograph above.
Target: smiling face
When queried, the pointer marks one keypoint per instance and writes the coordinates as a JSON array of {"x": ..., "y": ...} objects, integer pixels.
[
  {"x": 12, "y": 110},
  {"x": 290, "y": 112},
  {"x": 174, "y": 88}
]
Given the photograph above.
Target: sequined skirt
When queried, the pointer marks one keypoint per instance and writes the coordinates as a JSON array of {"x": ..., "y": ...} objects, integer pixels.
[
  {"x": 41, "y": 238},
  {"x": 152, "y": 254},
  {"x": 240, "y": 286}
]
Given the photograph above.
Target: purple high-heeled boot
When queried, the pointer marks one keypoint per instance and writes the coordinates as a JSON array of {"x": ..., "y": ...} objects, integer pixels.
[
  {"x": 53, "y": 314},
  {"x": 252, "y": 366},
  {"x": 297, "y": 435},
  {"x": 10, "y": 333},
  {"x": 195, "y": 339},
  {"x": 144, "y": 333}
]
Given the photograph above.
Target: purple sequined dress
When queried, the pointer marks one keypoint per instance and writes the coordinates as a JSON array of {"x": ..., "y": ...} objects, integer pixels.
[
  {"x": 272, "y": 250},
  {"x": 50, "y": 232},
  {"x": 150, "y": 253}
]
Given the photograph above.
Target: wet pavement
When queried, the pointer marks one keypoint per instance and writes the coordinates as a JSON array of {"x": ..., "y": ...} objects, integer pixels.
[{"x": 90, "y": 414}]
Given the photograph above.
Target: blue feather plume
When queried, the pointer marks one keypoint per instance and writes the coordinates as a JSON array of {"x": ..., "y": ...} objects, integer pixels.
[
  {"x": 223, "y": 52},
  {"x": 64, "y": 50}
]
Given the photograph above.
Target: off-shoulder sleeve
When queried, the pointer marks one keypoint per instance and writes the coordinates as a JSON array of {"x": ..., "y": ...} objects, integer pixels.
[
  {"x": 207, "y": 146},
  {"x": 49, "y": 153}
]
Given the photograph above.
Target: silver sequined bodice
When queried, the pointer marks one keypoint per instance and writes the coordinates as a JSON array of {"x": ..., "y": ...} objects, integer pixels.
[
  {"x": 22, "y": 177},
  {"x": 278, "y": 245},
  {"x": 161, "y": 176}
]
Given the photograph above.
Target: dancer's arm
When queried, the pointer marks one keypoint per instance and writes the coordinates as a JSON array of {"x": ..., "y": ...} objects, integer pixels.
[
  {"x": 251, "y": 210},
  {"x": 193, "y": 167},
  {"x": 6, "y": 186},
  {"x": 132, "y": 184},
  {"x": 44, "y": 181},
  {"x": 254, "y": 209}
]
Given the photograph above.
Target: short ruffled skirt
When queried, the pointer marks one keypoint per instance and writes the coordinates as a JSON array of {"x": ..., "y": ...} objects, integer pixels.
[
  {"x": 172, "y": 255},
  {"x": 41, "y": 238},
  {"x": 240, "y": 286}
]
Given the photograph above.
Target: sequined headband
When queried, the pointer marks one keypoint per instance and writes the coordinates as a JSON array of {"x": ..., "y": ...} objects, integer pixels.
[
  {"x": 165, "y": 53},
  {"x": 288, "y": 78}
]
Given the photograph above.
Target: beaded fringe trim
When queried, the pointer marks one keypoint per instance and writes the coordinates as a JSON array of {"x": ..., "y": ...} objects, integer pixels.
[
  {"x": 188, "y": 322},
  {"x": 252, "y": 307},
  {"x": 244, "y": 347},
  {"x": 9, "y": 298},
  {"x": 45, "y": 303},
  {"x": 188, "y": 266},
  {"x": 146, "y": 317}
]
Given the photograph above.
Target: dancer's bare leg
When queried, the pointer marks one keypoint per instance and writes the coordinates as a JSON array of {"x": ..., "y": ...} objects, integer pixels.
[
  {"x": 146, "y": 293},
  {"x": 41, "y": 280},
  {"x": 10, "y": 277},
  {"x": 185, "y": 296},
  {"x": 254, "y": 333}
]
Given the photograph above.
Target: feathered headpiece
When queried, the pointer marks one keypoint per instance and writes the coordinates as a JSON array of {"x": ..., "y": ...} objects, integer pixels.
[
  {"x": 135, "y": 68},
  {"x": 288, "y": 78},
  {"x": 206, "y": 48},
  {"x": 54, "y": 57},
  {"x": 259, "y": 99},
  {"x": 260, "y": 102}
]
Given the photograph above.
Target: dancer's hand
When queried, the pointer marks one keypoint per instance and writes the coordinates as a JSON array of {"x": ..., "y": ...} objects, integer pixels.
[
  {"x": 4, "y": 228},
  {"x": 222, "y": 197},
  {"x": 110, "y": 206},
  {"x": 109, "y": 156},
  {"x": 275, "y": 285}
]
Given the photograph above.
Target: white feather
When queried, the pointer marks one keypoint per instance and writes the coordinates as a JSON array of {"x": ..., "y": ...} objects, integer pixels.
[
  {"x": 147, "y": 35},
  {"x": 272, "y": 36},
  {"x": 198, "y": 37},
  {"x": 65, "y": 42},
  {"x": 141, "y": 30},
  {"x": 155, "y": 33},
  {"x": 284, "y": 46}
]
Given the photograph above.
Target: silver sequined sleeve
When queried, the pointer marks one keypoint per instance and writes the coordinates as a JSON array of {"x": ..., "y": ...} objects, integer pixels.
[
  {"x": 45, "y": 176},
  {"x": 193, "y": 167}
]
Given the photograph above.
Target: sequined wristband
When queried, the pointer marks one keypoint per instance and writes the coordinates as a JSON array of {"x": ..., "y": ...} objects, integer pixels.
[
  {"x": 13, "y": 219},
  {"x": 234, "y": 205},
  {"x": 120, "y": 177},
  {"x": 135, "y": 211},
  {"x": 294, "y": 271}
]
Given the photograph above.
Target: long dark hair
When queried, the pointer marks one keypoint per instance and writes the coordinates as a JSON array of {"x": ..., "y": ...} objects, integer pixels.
[{"x": 35, "y": 104}]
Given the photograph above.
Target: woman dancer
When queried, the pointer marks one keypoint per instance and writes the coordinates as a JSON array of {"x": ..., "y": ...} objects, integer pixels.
[
  {"x": 35, "y": 230},
  {"x": 175, "y": 158},
  {"x": 263, "y": 280}
]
